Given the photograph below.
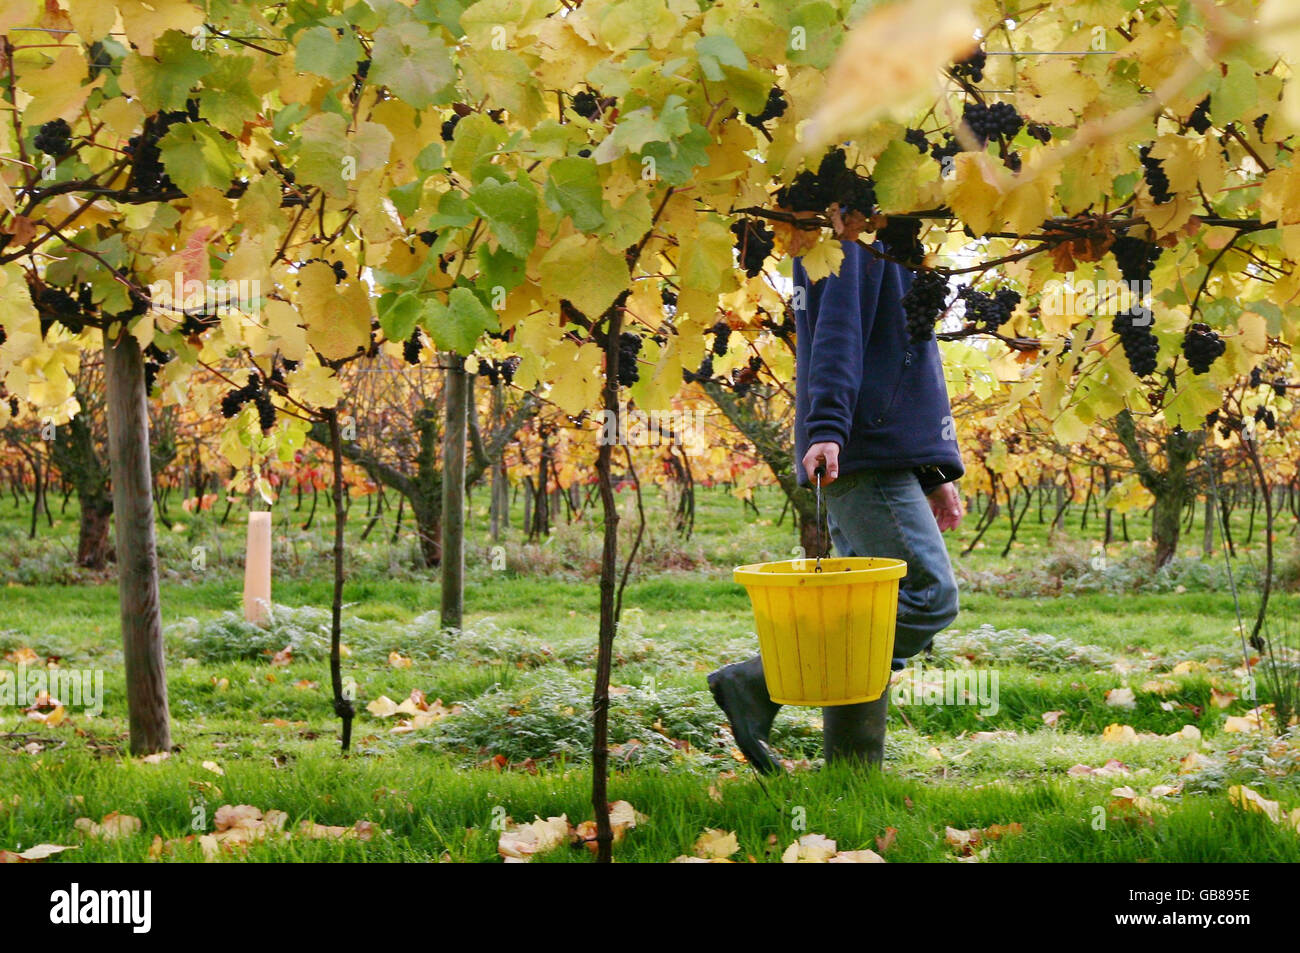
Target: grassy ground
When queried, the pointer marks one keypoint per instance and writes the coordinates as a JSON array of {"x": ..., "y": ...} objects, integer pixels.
[{"x": 1058, "y": 629}]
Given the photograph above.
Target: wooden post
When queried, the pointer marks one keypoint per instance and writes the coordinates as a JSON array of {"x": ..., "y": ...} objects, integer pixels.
[
  {"x": 453, "y": 493},
  {"x": 257, "y": 568},
  {"x": 137, "y": 556}
]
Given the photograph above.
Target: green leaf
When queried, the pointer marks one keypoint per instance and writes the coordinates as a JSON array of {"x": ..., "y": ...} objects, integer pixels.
[
  {"x": 676, "y": 162},
  {"x": 510, "y": 211},
  {"x": 573, "y": 189},
  {"x": 413, "y": 63},
  {"x": 164, "y": 80},
  {"x": 398, "y": 314},
  {"x": 498, "y": 269},
  {"x": 716, "y": 51},
  {"x": 227, "y": 99},
  {"x": 320, "y": 157},
  {"x": 458, "y": 324},
  {"x": 321, "y": 51},
  {"x": 196, "y": 155}
]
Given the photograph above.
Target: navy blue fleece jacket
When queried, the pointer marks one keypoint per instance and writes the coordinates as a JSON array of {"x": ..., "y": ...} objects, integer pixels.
[{"x": 860, "y": 382}]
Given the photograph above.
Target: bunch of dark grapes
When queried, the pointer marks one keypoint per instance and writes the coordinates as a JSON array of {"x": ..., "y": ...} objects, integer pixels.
[
  {"x": 754, "y": 242},
  {"x": 901, "y": 238},
  {"x": 196, "y": 322},
  {"x": 1202, "y": 347},
  {"x": 147, "y": 173},
  {"x": 1154, "y": 172},
  {"x": 232, "y": 402},
  {"x": 704, "y": 373},
  {"x": 428, "y": 237},
  {"x": 772, "y": 109},
  {"x": 1265, "y": 416},
  {"x": 989, "y": 311},
  {"x": 265, "y": 409},
  {"x": 1040, "y": 131},
  {"x": 1012, "y": 161},
  {"x": 1259, "y": 122},
  {"x": 449, "y": 127},
  {"x": 1135, "y": 257},
  {"x": 833, "y": 181},
  {"x": 941, "y": 152},
  {"x": 411, "y": 347},
  {"x": 972, "y": 67},
  {"x": 923, "y": 304},
  {"x": 991, "y": 122},
  {"x": 1200, "y": 117},
  {"x": 154, "y": 358},
  {"x": 56, "y": 305},
  {"x": 509, "y": 366},
  {"x": 1256, "y": 377},
  {"x": 721, "y": 337},
  {"x": 668, "y": 297},
  {"x": 629, "y": 346},
  {"x": 916, "y": 137},
  {"x": 1140, "y": 345},
  {"x": 54, "y": 138},
  {"x": 586, "y": 104}
]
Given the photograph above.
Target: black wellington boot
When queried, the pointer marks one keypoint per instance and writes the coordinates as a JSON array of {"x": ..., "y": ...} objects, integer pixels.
[
  {"x": 741, "y": 692},
  {"x": 856, "y": 732}
]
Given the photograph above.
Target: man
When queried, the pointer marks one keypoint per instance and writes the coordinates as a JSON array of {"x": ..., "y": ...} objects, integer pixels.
[{"x": 871, "y": 408}]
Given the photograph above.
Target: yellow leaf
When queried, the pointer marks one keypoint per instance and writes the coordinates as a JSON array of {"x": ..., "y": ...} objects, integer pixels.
[
  {"x": 337, "y": 313},
  {"x": 716, "y": 843},
  {"x": 823, "y": 259},
  {"x": 57, "y": 91},
  {"x": 892, "y": 54}
]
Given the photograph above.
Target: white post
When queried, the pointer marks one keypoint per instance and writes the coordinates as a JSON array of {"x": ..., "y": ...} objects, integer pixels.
[{"x": 257, "y": 567}]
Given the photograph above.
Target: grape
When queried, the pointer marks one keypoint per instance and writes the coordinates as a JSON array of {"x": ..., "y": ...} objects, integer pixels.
[
  {"x": 1012, "y": 161},
  {"x": 772, "y": 109},
  {"x": 411, "y": 348},
  {"x": 54, "y": 138},
  {"x": 754, "y": 242},
  {"x": 586, "y": 105},
  {"x": 1259, "y": 122},
  {"x": 721, "y": 337},
  {"x": 900, "y": 236},
  {"x": 428, "y": 237},
  {"x": 972, "y": 67},
  {"x": 265, "y": 409},
  {"x": 14, "y": 406},
  {"x": 992, "y": 122},
  {"x": 989, "y": 311},
  {"x": 585, "y": 153},
  {"x": 237, "y": 398},
  {"x": 916, "y": 137},
  {"x": 755, "y": 363},
  {"x": 1135, "y": 257},
  {"x": 1202, "y": 347},
  {"x": 1200, "y": 117},
  {"x": 923, "y": 304},
  {"x": 56, "y": 305},
  {"x": 1140, "y": 344},
  {"x": 449, "y": 127},
  {"x": 509, "y": 366},
  {"x": 833, "y": 181},
  {"x": 1040, "y": 131},
  {"x": 629, "y": 346},
  {"x": 1279, "y": 387},
  {"x": 668, "y": 297},
  {"x": 1154, "y": 172},
  {"x": 340, "y": 271},
  {"x": 949, "y": 148}
]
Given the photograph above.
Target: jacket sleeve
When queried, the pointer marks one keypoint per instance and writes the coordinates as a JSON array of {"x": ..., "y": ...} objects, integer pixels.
[{"x": 840, "y": 329}]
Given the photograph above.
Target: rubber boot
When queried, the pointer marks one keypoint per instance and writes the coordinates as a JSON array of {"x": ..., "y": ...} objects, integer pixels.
[
  {"x": 856, "y": 732},
  {"x": 741, "y": 692}
]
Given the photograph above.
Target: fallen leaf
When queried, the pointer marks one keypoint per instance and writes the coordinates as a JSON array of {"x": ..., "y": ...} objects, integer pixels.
[
  {"x": 519, "y": 843},
  {"x": 886, "y": 840},
  {"x": 809, "y": 849},
  {"x": 1121, "y": 698},
  {"x": 1050, "y": 718},
  {"x": 112, "y": 827},
  {"x": 213, "y": 767},
  {"x": 715, "y": 844}
]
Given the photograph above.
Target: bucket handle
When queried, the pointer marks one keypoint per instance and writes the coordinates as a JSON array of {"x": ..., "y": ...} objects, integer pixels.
[{"x": 823, "y": 542}]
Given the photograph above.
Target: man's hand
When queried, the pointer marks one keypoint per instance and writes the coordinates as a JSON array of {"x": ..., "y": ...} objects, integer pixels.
[
  {"x": 946, "y": 506},
  {"x": 822, "y": 454}
]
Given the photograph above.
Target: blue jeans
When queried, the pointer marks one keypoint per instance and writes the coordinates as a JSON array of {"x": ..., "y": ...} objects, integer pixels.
[{"x": 885, "y": 513}]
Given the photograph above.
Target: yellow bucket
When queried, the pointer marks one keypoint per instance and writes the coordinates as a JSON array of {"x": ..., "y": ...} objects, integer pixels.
[{"x": 826, "y": 638}]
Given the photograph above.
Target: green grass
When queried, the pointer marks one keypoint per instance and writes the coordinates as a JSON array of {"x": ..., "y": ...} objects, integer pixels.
[{"x": 521, "y": 671}]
